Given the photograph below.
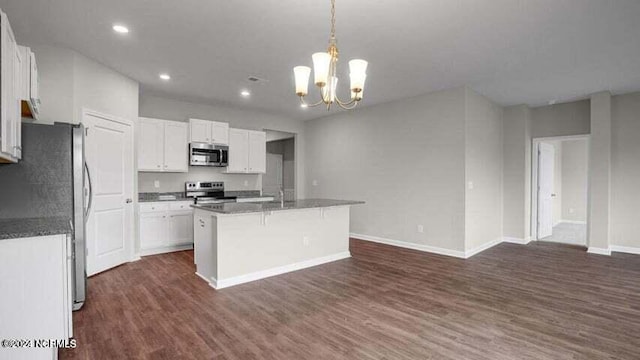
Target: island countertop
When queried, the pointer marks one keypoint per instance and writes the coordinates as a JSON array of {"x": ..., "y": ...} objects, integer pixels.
[{"x": 242, "y": 208}]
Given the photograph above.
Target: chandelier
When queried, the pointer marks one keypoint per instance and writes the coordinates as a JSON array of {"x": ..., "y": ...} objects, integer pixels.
[{"x": 325, "y": 78}]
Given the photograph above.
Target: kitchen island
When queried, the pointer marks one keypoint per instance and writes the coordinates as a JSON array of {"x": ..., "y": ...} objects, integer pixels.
[{"x": 236, "y": 243}]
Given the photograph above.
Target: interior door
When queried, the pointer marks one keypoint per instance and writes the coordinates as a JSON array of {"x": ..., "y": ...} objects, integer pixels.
[
  {"x": 176, "y": 148},
  {"x": 546, "y": 153},
  {"x": 150, "y": 140},
  {"x": 109, "y": 154}
]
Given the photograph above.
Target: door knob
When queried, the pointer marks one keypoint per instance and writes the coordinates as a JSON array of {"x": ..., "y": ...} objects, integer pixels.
[{"x": 128, "y": 201}]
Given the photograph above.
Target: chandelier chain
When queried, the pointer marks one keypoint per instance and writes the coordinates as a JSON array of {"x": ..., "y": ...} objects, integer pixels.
[{"x": 333, "y": 19}]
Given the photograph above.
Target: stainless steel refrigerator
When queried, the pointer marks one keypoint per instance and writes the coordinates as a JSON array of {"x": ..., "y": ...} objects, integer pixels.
[{"x": 51, "y": 180}]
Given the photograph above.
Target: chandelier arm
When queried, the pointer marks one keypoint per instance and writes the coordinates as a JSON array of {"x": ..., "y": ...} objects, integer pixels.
[
  {"x": 346, "y": 107},
  {"x": 310, "y": 105},
  {"x": 346, "y": 103}
]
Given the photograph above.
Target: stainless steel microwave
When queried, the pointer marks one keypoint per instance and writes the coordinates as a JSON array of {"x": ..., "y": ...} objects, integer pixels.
[{"x": 202, "y": 154}]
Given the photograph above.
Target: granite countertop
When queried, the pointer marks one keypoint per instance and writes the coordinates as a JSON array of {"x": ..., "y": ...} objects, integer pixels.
[
  {"x": 241, "y": 208},
  {"x": 32, "y": 227},
  {"x": 179, "y": 196}
]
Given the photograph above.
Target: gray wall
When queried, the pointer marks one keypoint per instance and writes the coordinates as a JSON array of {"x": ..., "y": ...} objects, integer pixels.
[
  {"x": 483, "y": 169},
  {"x": 561, "y": 120},
  {"x": 574, "y": 180},
  {"x": 517, "y": 172},
  {"x": 169, "y": 109},
  {"x": 286, "y": 148},
  {"x": 625, "y": 169}
]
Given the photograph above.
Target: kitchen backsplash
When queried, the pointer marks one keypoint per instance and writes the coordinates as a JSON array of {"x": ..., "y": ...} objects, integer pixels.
[{"x": 172, "y": 182}]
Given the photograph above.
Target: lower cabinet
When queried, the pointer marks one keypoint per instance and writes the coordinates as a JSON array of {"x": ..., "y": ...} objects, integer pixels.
[
  {"x": 35, "y": 294},
  {"x": 165, "y": 227}
]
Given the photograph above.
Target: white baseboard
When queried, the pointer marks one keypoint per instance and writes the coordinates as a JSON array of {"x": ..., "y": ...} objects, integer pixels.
[
  {"x": 625, "y": 249},
  {"x": 599, "y": 251},
  {"x": 481, "y": 248},
  {"x": 513, "y": 240},
  {"x": 412, "y": 246},
  {"x": 577, "y": 222},
  {"x": 166, "y": 249},
  {"x": 237, "y": 280}
]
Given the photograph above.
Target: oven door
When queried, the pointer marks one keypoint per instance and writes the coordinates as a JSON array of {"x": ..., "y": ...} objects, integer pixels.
[{"x": 204, "y": 155}]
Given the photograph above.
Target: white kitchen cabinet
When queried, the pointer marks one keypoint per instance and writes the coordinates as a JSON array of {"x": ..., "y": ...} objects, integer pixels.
[
  {"x": 165, "y": 226},
  {"x": 180, "y": 228},
  {"x": 36, "y": 288},
  {"x": 247, "y": 151},
  {"x": 29, "y": 92},
  {"x": 257, "y": 152},
  {"x": 209, "y": 132},
  {"x": 10, "y": 86},
  {"x": 162, "y": 146}
]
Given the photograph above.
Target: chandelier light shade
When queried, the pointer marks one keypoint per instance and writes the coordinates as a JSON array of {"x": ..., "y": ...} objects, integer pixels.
[{"x": 325, "y": 74}]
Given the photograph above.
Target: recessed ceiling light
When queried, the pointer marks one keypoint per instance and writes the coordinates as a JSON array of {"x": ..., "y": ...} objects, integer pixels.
[
  {"x": 304, "y": 106},
  {"x": 245, "y": 93},
  {"x": 120, "y": 29},
  {"x": 165, "y": 77}
]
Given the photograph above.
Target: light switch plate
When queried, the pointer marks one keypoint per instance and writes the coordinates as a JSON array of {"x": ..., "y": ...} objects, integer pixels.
[{"x": 156, "y": 184}]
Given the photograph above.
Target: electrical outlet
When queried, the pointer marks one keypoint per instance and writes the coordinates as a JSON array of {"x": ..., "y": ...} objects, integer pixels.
[
  {"x": 470, "y": 185},
  {"x": 246, "y": 183},
  {"x": 420, "y": 228},
  {"x": 305, "y": 240},
  {"x": 156, "y": 184}
]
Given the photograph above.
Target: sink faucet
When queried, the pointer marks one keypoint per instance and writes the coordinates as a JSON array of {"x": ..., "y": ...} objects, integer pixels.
[{"x": 282, "y": 197}]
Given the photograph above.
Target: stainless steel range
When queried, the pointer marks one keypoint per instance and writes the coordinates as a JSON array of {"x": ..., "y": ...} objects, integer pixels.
[{"x": 207, "y": 192}]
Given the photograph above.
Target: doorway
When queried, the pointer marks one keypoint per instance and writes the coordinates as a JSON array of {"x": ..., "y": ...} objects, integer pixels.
[
  {"x": 280, "y": 174},
  {"x": 560, "y": 184},
  {"x": 109, "y": 155}
]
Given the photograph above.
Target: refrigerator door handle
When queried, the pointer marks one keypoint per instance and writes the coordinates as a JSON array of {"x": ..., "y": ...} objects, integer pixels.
[{"x": 86, "y": 214}]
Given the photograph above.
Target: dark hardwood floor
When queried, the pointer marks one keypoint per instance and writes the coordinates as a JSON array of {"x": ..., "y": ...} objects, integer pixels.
[{"x": 540, "y": 301}]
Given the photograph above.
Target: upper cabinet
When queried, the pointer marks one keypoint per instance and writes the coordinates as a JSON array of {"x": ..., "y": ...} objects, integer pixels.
[
  {"x": 29, "y": 95},
  {"x": 210, "y": 132},
  {"x": 10, "y": 90},
  {"x": 247, "y": 151},
  {"x": 162, "y": 145}
]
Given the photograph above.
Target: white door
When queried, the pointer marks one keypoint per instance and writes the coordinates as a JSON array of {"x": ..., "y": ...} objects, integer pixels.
[
  {"x": 238, "y": 150},
  {"x": 176, "y": 148},
  {"x": 109, "y": 153},
  {"x": 272, "y": 180},
  {"x": 257, "y": 151},
  {"x": 545, "y": 193},
  {"x": 150, "y": 140},
  {"x": 200, "y": 130}
]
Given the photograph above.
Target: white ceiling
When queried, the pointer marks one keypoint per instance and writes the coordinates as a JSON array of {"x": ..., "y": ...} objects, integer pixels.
[{"x": 513, "y": 51}]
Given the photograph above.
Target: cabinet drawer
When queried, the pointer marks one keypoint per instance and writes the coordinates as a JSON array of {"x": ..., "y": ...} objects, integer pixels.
[
  {"x": 180, "y": 205},
  {"x": 154, "y": 207}
]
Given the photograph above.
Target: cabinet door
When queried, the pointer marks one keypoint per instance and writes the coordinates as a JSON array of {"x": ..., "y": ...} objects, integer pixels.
[
  {"x": 153, "y": 232},
  {"x": 8, "y": 92},
  {"x": 176, "y": 148},
  {"x": 238, "y": 151},
  {"x": 180, "y": 228},
  {"x": 220, "y": 133},
  {"x": 257, "y": 152},
  {"x": 150, "y": 144},
  {"x": 17, "y": 102},
  {"x": 200, "y": 130}
]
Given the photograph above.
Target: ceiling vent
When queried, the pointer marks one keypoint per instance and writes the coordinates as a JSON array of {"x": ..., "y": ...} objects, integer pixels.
[{"x": 256, "y": 79}]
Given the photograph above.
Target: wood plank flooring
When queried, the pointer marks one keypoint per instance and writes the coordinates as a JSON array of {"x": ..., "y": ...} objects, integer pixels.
[{"x": 540, "y": 301}]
